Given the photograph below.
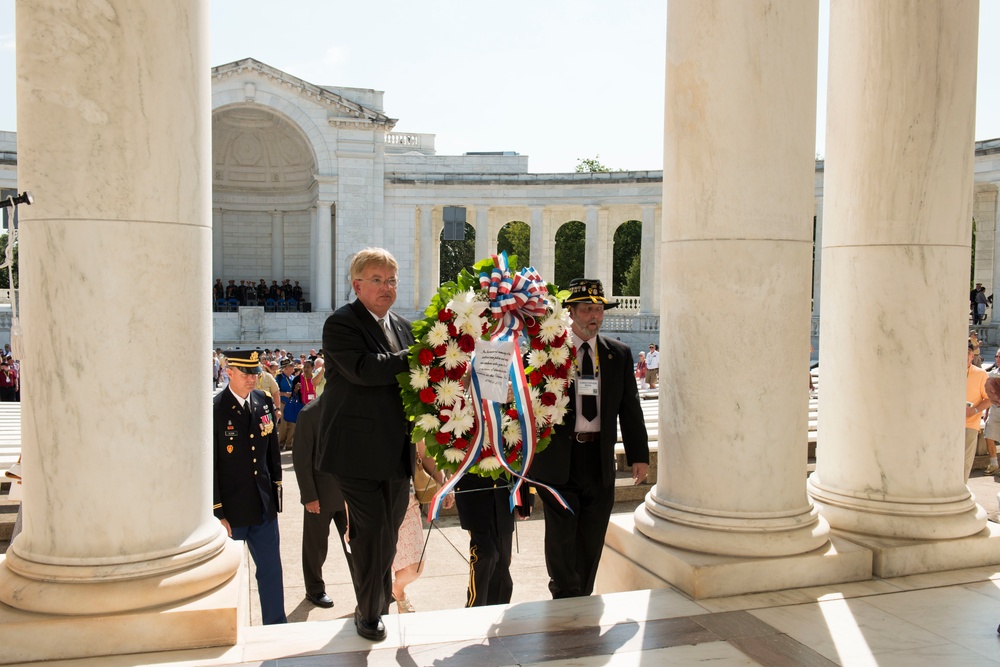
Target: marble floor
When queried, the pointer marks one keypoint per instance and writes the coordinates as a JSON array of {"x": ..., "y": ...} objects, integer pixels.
[{"x": 940, "y": 619}]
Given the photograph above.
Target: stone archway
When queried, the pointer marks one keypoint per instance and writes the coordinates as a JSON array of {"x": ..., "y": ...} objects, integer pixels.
[
  {"x": 514, "y": 238},
  {"x": 263, "y": 188}
]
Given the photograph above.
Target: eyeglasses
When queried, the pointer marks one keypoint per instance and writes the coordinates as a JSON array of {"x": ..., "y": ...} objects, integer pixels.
[{"x": 377, "y": 283}]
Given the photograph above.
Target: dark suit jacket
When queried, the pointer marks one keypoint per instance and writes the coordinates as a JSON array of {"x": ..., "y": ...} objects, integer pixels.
[
  {"x": 365, "y": 432},
  {"x": 247, "y": 463},
  {"x": 314, "y": 484},
  {"x": 619, "y": 402}
]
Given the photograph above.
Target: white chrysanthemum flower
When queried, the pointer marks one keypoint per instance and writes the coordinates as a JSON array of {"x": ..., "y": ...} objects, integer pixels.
[
  {"x": 449, "y": 391},
  {"x": 453, "y": 356},
  {"x": 512, "y": 433},
  {"x": 419, "y": 378},
  {"x": 550, "y": 328},
  {"x": 489, "y": 463},
  {"x": 428, "y": 423},
  {"x": 537, "y": 358},
  {"x": 559, "y": 355},
  {"x": 438, "y": 334},
  {"x": 555, "y": 385},
  {"x": 454, "y": 455}
]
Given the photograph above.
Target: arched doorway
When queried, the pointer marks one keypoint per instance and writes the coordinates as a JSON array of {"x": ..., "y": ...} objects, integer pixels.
[
  {"x": 570, "y": 252},
  {"x": 627, "y": 259},
  {"x": 457, "y": 255},
  {"x": 514, "y": 238}
]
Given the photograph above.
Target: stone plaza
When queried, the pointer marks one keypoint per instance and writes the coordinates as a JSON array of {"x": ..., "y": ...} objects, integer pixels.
[{"x": 180, "y": 173}]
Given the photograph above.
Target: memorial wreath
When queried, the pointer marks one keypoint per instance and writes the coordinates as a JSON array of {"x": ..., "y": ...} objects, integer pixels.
[{"x": 467, "y": 348}]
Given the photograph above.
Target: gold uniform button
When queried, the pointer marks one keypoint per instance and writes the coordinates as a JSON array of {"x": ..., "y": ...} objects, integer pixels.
[
  {"x": 255, "y": 460},
  {"x": 253, "y": 449},
  {"x": 255, "y": 472},
  {"x": 251, "y": 436}
]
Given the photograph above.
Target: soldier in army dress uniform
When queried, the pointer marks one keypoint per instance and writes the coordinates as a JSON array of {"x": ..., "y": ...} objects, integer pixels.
[{"x": 247, "y": 475}]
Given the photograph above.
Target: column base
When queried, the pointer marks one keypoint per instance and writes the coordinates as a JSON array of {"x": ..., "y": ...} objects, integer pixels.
[
  {"x": 896, "y": 557},
  {"x": 632, "y": 561},
  {"x": 209, "y": 620},
  {"x": 898, "y": 518}
]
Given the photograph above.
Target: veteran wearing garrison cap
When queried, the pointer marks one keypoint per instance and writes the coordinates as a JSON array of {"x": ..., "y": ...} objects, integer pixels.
[
  {"x": 580, "y": 459},
  {"x": 247, "y": 475}
]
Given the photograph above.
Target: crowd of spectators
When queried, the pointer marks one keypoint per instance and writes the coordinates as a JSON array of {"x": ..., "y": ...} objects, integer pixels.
[{"x": 274, "y": 297}]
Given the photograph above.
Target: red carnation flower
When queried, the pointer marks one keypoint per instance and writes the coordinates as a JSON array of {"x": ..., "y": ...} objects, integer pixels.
[
  {"x": 436, "y": 374},
  {"x": 548, "y": 398},
  {"x": 444, "y": 418},
  {"x": 455, "y": 373},
  {"x": 442, "y": 438},
  {"x": 467, "y": 343},
  {"x": 427, "y": 395},
  {"x": 512, "y": 413},
  {"x": 444, "y": 315},
  {"x": 440, "y": 350},
  {"x": 537, "y": 344},
  {"x": 535, "y": 378},
  {"x": 546, "y": 433},
  {"x": 559, "y": 341},
  {"x": 461, "y": 443},
  {"x": 562, "y": 372},
  {"x": 425, "y": 357},
  {"x": 548, "y": 368},
  {"x": 452, "y": 330},
  {"x": 534, "y": 327}
]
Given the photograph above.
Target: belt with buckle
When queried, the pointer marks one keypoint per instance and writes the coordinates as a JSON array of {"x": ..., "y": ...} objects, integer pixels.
[{"x": 587, "y": 436}]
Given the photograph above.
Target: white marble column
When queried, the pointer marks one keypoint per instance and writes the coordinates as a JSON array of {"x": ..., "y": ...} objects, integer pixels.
[
  {"x": 218, "y": 255},
  {"x": 991, "y": 209},
  {"x": 117, "y": 465},
  {"x": 649, "y": 266},
  {"x": 895, "y": 282},
  {"x": 536, "y": 241},
  {"x": 592, "y": 252},
  {"x": 321, "y": 292},
  {"x": 277, "y": 246},
  {"x": 427, "y": 253},
  {"x": 483, "y": 248},
  {"x": 737, "y": 228}
]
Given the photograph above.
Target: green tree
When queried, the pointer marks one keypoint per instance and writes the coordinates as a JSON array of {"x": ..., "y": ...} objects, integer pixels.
[
  {"x": 570, "y": 250},
  {"x": 4, "y": 275},
  {"x": 632, "y": 278},
  {"x": 515, "y": 239},
  {"x": 627, "y": 252},
  {"x": 456, "y": 255},
  {"x": 590, "y": 165}
]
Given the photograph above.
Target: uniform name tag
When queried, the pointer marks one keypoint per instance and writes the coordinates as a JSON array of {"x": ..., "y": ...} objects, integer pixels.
[{"x": 586, "y": 386}]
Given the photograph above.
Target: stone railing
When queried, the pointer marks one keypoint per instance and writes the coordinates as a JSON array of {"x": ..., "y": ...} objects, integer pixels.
[
  {"x": 405, "y": 142},
  {"x": 625, "y": 322},
  {"x": 401, "y": 139},
  {"x": 628, "y": 303}
]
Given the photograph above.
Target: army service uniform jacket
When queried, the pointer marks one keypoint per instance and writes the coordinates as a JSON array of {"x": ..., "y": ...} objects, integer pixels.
[{"x": 247, "y": 461}]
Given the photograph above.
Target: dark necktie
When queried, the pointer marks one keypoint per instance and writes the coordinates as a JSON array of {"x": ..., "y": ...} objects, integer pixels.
[{"x": 587, "y": 368}]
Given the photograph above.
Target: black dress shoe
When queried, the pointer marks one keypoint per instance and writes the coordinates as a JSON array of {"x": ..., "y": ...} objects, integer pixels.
[
  {"x": 321, "y": 600},
  {"x": 374, "y": 631}
]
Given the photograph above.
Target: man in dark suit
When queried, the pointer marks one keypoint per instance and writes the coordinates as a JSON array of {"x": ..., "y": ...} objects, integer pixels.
[
  {"x": 322, "y": 501},
  {"x": 247, "y": 475},
  {"x": 580, "y": 459},
  {"x": 365, "y": 433}
]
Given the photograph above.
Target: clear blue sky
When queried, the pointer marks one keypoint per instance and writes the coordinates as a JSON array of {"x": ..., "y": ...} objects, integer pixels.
[{"x": 556, "y": 80}]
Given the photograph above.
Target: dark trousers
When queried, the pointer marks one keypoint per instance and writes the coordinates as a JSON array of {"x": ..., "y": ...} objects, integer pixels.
[
  {"x": 486, "y": 514},
  {"x": 315, "y": 546},
  {"x": 375, "y": 512},
  {"x": 574, "y": 542},
  {"x": 265, "y": 549}
]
